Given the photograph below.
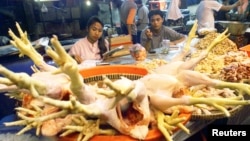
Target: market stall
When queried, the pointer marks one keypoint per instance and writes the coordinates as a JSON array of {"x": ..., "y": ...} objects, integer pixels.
[
  {"x": 237, "y": 29},
  {"x": 72, "y": 103}
]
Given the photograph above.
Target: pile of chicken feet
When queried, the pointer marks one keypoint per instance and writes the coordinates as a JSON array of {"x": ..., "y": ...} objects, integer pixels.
[{"x": 60, "y": 103}]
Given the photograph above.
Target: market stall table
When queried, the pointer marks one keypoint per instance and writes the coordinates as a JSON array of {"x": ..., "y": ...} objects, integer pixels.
[
  {"x": 127, "y": 59},
  {"x": 193, "y": 126},
  {"x": 73, "y": 72}
]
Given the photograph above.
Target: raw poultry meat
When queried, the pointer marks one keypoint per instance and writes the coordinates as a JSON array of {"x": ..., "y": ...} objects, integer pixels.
[
  {"x": 50, "y": 90},
  {"x": 153, "y": 92}
]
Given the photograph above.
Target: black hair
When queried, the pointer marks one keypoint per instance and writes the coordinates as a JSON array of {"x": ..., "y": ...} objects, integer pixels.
[
  {"x": 101, "y": 40},
  {"x": 138, "y": 1},
  {"x": 117, "y": 3},
  {"x": 156, "y": 12}
]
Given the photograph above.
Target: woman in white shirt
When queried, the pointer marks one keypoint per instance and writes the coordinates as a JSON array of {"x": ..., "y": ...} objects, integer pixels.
[{"x": 93, "y": 46}]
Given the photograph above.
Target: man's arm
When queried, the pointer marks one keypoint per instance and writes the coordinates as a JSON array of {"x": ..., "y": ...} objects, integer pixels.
[
  {"x": 178, "y": 41},
  {"x": 148, "y": 44},
  {"x": 230, "y": 7},
  {"x": 146, "y": 39},
  {"x": 174, "y": 36},
  {"x": 130, "y": 20}
]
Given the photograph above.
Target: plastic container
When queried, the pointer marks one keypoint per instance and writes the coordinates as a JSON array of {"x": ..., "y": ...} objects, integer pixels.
[
  {"x": 165, "y": 44},
  {"x": 138, "y": 52}
]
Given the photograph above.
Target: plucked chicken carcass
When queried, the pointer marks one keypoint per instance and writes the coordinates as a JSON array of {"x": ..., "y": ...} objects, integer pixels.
[
  {"x": 49, "y": 85},
  {"x": 68, "y": 94},
  {"x": 170, "y": 78},
  {"x": 178, "y": 74}
]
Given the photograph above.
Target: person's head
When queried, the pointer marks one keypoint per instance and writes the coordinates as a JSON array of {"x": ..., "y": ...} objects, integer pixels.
[
  {"x": 95, "y": 32},
  {"x": 156, "y": 18},
  {"x": 94, "y": 29},
  {"x": 138, "y": 2}
]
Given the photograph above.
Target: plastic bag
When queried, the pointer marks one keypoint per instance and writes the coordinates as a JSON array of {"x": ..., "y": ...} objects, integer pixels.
[{"x": 4, "y": 40}]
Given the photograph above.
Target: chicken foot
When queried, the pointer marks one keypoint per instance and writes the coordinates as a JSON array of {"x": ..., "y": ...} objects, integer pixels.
[
  {"x": 94, "y": 108},
  {"x": 191, "y": 36},
  {"x": 6, "y": 85},
  {"x": 165, "y": 102},
  {"x": 5, "y": 81},
  {"x": 190, "y": 64},
  {"x": 186, "y": 48},
  {"x": 26, "y": 48},
  {"x": 192, "y": 78},
  {"x": 36, "y": 119},
  {"x": 72, "y": 104},
  {"x": 86, "y": 129},
  {"x": 166, "y": 124},
  {"x": 33, "y": 119},
  {"x": 70, "y": 67},
  {"x": 23, "y": 80},
  {"x": 104, "y": 107},
  {"x": 118, "y": 91}
]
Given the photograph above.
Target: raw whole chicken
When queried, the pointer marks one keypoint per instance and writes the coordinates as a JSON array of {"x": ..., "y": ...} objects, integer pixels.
[
  {"x": 68, "y": 103},
  {"x": 52, "y": 85}
]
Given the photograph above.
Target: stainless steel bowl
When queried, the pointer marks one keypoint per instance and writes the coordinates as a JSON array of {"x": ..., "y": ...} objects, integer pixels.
[
  {"x": 236, "y": 17},
  {"x": 235, "y": 27}
]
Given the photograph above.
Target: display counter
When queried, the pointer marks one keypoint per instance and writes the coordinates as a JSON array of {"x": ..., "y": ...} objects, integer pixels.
[
  {"x": 193, "y": 126},
  {"x": 127, "y": 59},
  {"x": 23, "y": 64}
]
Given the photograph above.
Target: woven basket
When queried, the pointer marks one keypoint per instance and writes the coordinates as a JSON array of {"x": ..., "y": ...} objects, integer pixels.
[{"x": 113, "y": 72}]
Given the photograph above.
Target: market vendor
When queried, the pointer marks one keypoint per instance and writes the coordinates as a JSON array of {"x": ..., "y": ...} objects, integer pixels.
[
  {"x": 152, "y": 36},
  {"x": 205, "y": 12},
  {"x": 94, "y": 45}
]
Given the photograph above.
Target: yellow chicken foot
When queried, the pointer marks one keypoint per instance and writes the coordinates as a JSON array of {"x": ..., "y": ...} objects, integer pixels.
[
  {"x": 166, "y": 124},
  {"x": 88, "y": 129},
  {"x": 217, "y": 40},
  {"x": 24, "y": 46},
  {"x": 23, "y": 80},
  {"x": 68, "y": 66},
  {"x": 191, "y": 36}
]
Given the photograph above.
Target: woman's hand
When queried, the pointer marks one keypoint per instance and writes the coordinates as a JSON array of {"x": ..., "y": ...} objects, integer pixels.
[{"x": 78, "y": 59}]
